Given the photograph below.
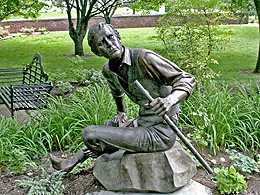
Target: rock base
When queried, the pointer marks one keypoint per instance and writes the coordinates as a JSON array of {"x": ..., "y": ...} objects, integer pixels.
[{"x": 162, "y": 172}]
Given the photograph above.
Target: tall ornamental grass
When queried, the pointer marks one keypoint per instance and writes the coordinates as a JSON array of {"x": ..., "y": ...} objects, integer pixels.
[
  {"x": 15, "y": 147},
  {"x": 222, "y": 117},
  {"x": 57, "y": 127},
  {"x": 219, "y": 117}
]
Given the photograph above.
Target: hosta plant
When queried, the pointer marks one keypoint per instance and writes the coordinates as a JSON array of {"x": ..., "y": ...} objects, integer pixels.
[{"x": 230, "y": 181}]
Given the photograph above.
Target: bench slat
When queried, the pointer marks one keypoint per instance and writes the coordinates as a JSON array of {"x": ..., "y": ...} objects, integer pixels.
[{"x": 11, "y": 69}]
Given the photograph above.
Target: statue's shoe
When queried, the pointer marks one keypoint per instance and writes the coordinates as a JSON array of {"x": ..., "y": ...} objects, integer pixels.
[{"x": 67, "y": 164}]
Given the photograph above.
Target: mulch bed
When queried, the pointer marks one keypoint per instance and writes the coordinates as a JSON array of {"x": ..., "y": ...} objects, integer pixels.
[{"x": 84, "y": 181}]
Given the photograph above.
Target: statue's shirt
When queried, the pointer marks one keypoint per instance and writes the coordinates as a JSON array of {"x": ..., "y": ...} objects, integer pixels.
[{"x": 158, "y": 75}]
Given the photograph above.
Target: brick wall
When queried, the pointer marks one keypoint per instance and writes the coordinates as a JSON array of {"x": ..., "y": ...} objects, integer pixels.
[{"x": 61, "y": 24}]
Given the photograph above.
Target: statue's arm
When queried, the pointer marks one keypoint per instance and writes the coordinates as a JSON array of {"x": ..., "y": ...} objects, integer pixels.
[
  {"x": 118, "y": 95},
  {"x": 166, "y": 72},
  {"x": 121, "y": 116}
]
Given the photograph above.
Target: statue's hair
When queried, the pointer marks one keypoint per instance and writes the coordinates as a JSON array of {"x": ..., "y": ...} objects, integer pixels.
[{"x": 93, "y": 30}]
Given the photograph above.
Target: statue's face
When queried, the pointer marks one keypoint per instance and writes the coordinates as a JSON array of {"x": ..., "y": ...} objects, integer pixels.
[{"x": 108, "y": 44}]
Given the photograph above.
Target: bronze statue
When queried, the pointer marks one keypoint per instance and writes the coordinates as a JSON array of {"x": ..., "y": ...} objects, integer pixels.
[{"x": 164, "y": 80}]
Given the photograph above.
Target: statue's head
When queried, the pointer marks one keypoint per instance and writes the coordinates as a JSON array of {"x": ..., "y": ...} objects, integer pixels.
[{"x": 105, "y": 41}]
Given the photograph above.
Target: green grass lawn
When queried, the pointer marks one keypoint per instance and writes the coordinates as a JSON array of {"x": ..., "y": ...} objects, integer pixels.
[
  {"x": 63, "y": 14},
  {"x": 240, "y": 55},
  {"x": 57, "y": 46}
]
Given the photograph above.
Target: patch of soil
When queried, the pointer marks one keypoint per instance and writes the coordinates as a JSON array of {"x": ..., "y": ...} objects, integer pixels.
[
  {"x": 75, "y": 184},
  {"x": 247, "y": 72},
  {"x": 85, "y": 182}
]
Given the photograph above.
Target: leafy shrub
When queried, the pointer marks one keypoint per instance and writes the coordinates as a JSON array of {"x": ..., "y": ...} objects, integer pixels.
[
  {"x": 190, "y": 35},
  {"x": 55, "y": 77},
  {"x": 49, "y": 184},
  {"x": 14, "y": 151},
  {"x": 4, "y": 31},
  {"x": 245, "y": 163},
  {"x": 230, "y": 181},
  {"x": 42, "y": 30},
  {"x": 92, "y": 77},
  {"x": 64, "y": 87},
  {"x": 77, "y": 62},
  {"x": 27, "y": 30},
  {"x": 86, "y": 76}
]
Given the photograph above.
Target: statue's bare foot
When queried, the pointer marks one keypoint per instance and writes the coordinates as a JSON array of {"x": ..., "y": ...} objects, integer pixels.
[{"x": 69, "y": 163}]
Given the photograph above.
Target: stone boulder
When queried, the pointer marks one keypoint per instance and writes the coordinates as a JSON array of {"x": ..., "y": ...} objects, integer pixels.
[{"x": 162, "y": 172}]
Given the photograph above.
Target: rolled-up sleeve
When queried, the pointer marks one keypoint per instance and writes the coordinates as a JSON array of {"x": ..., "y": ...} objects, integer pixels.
[{"x": 156, "y": 67}]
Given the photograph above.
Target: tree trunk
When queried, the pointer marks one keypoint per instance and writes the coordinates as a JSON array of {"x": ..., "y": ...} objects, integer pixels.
[
  {"x": 257, "y": 67},
  {"x": 78, "y": 36},
  {"x": 108, "y": 19},
  {"x": 79, "y": 47},
  {"x": 257, "y": 6}
]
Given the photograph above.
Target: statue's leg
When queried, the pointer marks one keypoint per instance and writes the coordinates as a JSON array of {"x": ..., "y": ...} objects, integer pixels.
[
  {"x": 140, "y": 139},
  {"x": 69, "y": 163}
]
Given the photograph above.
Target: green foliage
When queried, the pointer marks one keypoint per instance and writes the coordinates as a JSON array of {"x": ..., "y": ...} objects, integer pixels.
[
  {"x": 42, "y": 30},
  {"x": 14, "y": 146},
  {"x": 4, "y": 31},
  {"x": 230, "y": 181},
  {"x": 92, "y": 77},
  {"x": 48, "y": 184},
  {"x": 64, "y": 87},
  {"x": 88, "y": 77},
  {"x": 25, "y": 8},
  {"x": 144, "y": 6},
  {"x": 80, "y": 166},
  {"x": 55, "y": 77},
  {"x": 244, "y": 163},
  {"x": 190, "y": 34},
  {"x": 27, "y": 30},
  {"x": 240, "y": 7},
  {"x": 223, "y": 116},
  {"x": 56, "y": 127},
  {"x": 65, "y": 119}
]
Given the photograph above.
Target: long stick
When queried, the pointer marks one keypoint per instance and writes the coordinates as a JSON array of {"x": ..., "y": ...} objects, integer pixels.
[{"x": 178, "y": 132}]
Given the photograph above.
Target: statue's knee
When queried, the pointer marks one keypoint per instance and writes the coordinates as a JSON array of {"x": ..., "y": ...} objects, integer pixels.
[
  {"x": 171, "y": 141},
  {"x": 88, "y": 133}
]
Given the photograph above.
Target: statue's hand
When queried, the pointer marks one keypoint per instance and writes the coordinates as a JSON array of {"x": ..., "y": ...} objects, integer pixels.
[
  {"x": 161, "y": 106},
  {"x": 119, "y": 119}
]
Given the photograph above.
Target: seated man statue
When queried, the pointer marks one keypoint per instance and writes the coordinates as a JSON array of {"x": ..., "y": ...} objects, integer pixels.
[{"x": 148, "y": 132}]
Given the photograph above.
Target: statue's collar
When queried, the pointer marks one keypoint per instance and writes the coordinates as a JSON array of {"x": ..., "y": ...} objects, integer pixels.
[
  {"x": 126, "y": 57},
  {"x": 126, "y": 60}
]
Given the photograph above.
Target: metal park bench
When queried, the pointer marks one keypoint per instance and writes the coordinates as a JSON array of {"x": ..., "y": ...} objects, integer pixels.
[{"x": 25, "y": 88}]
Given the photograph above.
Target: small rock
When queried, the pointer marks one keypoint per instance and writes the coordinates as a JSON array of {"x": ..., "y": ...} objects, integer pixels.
[
  {"x": 213, "y": 161},
  {"x": 29, "y": 174}
]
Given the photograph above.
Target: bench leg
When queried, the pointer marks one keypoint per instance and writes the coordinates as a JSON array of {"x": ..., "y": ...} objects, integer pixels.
[{"x": 12, "y": 112}]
